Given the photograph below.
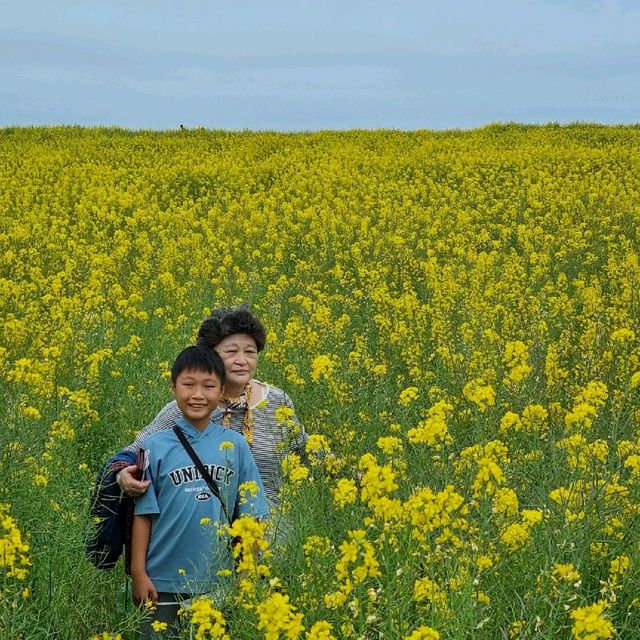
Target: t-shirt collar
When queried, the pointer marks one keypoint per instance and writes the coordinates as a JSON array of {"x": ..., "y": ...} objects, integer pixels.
[{"x": 189, "y": 429}]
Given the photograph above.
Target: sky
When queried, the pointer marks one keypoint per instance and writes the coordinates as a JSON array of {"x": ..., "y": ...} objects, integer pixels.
[{"x": 292, "y": 65}]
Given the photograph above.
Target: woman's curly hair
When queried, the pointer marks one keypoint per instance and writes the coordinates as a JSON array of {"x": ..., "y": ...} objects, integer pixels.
[{"x": 226, "y": 321}]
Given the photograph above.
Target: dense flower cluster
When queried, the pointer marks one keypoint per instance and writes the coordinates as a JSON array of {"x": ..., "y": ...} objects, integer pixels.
[
  {"x": 14, "y": 558},
  {"x": 277, "y": 618},
  {"x": 455, "y": 315},
  {"x": 590, "y": 623},
  {"x": 209, "y": 623}
]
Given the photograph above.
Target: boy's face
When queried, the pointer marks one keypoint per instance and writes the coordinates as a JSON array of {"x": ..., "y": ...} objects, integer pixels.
[{"x": 197, "y": 394}]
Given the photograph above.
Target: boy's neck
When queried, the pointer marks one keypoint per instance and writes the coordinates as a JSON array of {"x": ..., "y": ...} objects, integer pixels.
[{"x": 200, "y": 425}]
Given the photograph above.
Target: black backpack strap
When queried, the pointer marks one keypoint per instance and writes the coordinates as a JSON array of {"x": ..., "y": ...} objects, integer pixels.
[{"x": 201, "y": 468}]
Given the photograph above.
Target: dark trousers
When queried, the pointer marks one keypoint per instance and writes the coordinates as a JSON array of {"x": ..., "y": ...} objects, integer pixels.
[{"x": 165, "y": 611}]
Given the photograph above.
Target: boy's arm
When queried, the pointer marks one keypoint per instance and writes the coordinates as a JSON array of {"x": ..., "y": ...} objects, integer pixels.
[{"x": 143, "y": 589}]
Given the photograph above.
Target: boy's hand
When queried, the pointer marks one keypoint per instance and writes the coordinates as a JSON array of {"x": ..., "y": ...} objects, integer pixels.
[
  {"x": 132, "y": 487},
  {"x": 143, "y": 590}
]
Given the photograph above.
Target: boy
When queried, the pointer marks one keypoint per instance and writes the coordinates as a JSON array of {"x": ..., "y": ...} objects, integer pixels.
[{"x": 173, "y": 555}]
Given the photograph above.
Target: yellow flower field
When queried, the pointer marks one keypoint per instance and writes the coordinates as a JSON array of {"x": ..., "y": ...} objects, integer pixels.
[{"x": 456, "y": 316}]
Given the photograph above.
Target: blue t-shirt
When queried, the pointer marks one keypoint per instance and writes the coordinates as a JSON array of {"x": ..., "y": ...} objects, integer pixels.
[{"x": 184, "y": 555}]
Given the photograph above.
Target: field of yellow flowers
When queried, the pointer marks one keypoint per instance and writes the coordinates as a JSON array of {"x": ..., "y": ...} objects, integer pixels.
[{"x": 456, "y": 316}]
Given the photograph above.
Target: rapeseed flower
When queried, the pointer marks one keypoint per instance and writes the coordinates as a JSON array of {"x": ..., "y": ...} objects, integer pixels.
[
  {"x": 358, "y": 561},
  {"x": 423, "y": 633},
  {"x": 31, "y": 412},
  {"x": 389, "y": 444},
  {"x": 408, "y": 395},
  {"x": 321, "y": 630},
  {"x": 14, "y": 558},
  {"x": 322, "y": 367},
  {"x": 589, "y": 623},
  {"x": 276, "y": 615},
  {"x": 516, "y": 356},
  {"x": 426, "y": 590},
  {"x": 567, "y": 573},
  {"x": 247, "y": 491},
  {"x": 481, "y": 394},
  {"x": 316, "y": 545},
  {"x": 252, "y": 544},
  {"x": 293, "y": 469},
  {"x": 378, "y": 480},
  {"x": 345, "y": 492},
  {"x": 209, "y": 622},
  {"x": 505, "y": 501},
  {"x": 493, "y": 268},
  {"x": 317, "y": 443}
]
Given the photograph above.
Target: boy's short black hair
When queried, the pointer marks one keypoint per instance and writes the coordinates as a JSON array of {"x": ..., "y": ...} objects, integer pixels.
[
  {"x": 198, "y": 358},
  {"x": 227, "y": 321}
]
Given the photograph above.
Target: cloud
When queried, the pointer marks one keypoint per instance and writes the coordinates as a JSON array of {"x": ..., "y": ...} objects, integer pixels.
[{"x": 305, "y": 65}]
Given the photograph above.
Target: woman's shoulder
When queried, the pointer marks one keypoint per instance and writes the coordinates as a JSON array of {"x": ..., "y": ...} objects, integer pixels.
[
  {"x": 224, "y": 439},
  {"x": 274, "y": 395},
  {"x": 170, "y": 410},
  {"x": 223, "y": 433},
  {"x": 269, "y": 391}
]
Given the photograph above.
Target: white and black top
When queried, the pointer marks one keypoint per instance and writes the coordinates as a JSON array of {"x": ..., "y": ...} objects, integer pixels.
[{"x": 271, "y": 439}]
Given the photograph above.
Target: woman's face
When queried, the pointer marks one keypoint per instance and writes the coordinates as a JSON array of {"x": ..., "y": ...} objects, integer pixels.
[{"x": 240, "y": 356}]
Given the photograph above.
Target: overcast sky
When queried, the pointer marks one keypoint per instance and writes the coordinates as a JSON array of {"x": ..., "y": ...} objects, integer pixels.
[{"x": 322, "y": 64}]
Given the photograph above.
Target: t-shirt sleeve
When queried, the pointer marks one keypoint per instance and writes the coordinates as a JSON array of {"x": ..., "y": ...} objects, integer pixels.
[
  {"x": 147, "y": 503},
  {"x": 248, "y": 500}
]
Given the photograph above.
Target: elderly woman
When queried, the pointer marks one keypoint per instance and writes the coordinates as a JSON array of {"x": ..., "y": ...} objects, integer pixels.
[{"x": 248, "y": 406}]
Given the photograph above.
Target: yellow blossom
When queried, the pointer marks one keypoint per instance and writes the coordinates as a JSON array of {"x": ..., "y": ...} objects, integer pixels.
[
  {"x": 426, "y": 590},
  {"x": 423, "y": 633},
  {"x": 31, "y": 412},
  {"x": 322, "y": 367},
  {"x": 345, "y": 492},
  {"x": 321, "y": 630},
  {"x": 589, "y": 623},
  {"x": 276, "y": 615},
  {"x": 317, "y": 443},
  {"x": 505, "y": 501},
  {"x": 481, "y": 394},
  {"x": 566, "y": 572},
  {"x": 293, "y": 469},
  {"x": 389, "y": 444},
  {"x": 516, "y": 357},
  {"x": 209, "y": 623},
  {"x": 408, "y": 395}
]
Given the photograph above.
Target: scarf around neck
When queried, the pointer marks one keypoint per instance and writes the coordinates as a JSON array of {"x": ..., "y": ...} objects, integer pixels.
[{"x": 240, "y": 403}]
